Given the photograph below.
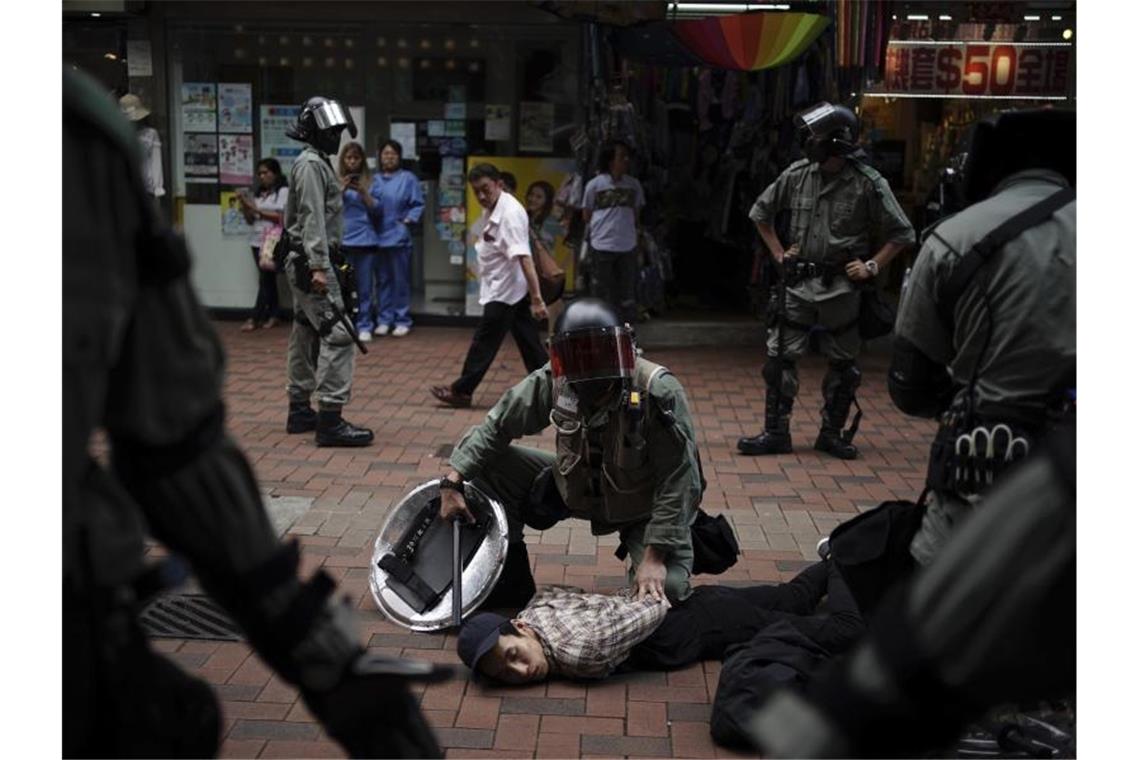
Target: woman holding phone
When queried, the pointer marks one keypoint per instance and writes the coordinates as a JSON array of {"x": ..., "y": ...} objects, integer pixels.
[
  {"x": 360, "y": 243},
  {"x": 264, "y": 208}
]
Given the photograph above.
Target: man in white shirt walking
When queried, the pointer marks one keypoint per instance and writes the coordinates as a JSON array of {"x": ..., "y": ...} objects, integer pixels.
[
  {"x": 611, "y": 205},
  {"x": 508, "y": 287}
]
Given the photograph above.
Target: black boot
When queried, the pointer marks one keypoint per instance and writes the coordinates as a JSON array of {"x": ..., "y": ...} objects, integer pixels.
[
  {"x": 515, "y": 586},
  {"x": 776, "y": 438},
  {"x": 334, "y": 430},
  {"x": 302, "y": 418},
  {"x": 839, "y": 386}
]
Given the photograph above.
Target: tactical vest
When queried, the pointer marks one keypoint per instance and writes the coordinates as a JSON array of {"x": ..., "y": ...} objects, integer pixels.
[{"x": 603, "y": 472}]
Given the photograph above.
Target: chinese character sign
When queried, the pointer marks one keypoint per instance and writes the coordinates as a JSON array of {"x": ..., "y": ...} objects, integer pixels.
[{"x": 979, "y": 69}]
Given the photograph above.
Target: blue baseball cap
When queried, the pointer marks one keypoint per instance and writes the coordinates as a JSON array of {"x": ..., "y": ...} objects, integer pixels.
[{"x": 478, "y": 636}]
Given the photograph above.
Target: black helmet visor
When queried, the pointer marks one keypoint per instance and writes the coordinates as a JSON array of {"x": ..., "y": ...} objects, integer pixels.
[{"x": 595, "y": 353}]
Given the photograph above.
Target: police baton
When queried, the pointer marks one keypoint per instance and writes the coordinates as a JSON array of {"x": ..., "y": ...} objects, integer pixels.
[{"x": 456, "y": 571}]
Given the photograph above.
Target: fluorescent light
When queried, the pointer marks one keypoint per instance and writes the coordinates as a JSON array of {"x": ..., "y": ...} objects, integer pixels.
[
  {"x": 944, "y": 17},
  {"x": 917, "y": 17},
  {"x": 1032, "y": 18},
  {"x": 96, "y": 15},
  {"x": 1067, "y": 34},
  {"x": 1055, "y": 18}
]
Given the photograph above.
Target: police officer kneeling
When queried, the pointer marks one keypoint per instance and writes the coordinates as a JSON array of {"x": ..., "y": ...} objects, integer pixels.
[
  {"x": 836, "y": 207},
  {"x": 986, "y": 332},
  {"x": 321, "y": 352},
  {"x": 626, "y": 456}
]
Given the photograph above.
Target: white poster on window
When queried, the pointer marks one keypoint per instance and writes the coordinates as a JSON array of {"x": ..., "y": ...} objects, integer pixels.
[
  {"x": 536, "y": 127},
  {"x": 497, "y": 122},
  {"x": 138, "y": 59},
  {"x": 235, "y": 107},
  {"x": 274, "y": 143},
  {"x": 199, "y": 107},
  {"x": 235, "y": 158},
  {"x": 404, "y": 132}
]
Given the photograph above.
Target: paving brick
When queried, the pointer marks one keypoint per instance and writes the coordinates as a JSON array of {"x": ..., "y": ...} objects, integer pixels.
[
  {"x": 691, "y": 739},
  {"x": 444, "y": 696},
  {"x": 646, "y": 719},
  {"x": 472, "y": 738},
  {"x": 606, "y": 699},
  {"x": 255, "y": 710},
  {"x": 241, "y": 748},
  {"x": 478, "y": 712},
  {"x": 237, "y": 692},
  {"x": 543, "y": 706},
  {"x": 632, "y": 746},
  {"x": 519, "y": 732},
  {"x": 578, "y": 725},
  {"x": 293, "y": 749},
  {"x": 271, "y": 729},
  {"x": 687, "y": 711},
  {"x": 559, "y": 746}
]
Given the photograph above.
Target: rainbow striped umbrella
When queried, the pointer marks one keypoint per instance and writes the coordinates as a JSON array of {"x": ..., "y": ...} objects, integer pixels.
[{"x": 750, "y": 41}]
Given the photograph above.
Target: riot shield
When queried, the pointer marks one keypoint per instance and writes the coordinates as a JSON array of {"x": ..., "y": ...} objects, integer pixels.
[{"x": 415, "y": 553}]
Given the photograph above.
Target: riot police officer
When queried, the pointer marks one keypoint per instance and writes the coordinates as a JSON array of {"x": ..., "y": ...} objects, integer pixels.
[
  {"x": 141, "y": 361},
  {"x": 986, "y": 332},
  {"x": 836, "y": 206},
  {"x": 321, "y": 353},
  {"x": 626, "y": 455}
]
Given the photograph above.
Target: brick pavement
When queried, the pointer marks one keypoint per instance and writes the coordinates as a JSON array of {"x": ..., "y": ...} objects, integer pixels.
[{"x": 779, "y": 506}]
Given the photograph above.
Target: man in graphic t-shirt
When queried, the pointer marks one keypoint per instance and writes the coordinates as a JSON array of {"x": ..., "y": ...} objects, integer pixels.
[{"x": 610, "y": 206}]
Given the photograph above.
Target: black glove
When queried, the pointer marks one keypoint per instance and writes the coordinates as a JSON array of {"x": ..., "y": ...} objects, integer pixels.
[{"x": 371, "y": 713}]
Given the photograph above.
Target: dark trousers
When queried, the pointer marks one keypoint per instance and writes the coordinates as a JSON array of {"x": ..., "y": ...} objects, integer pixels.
[
  {"x": 498, "y": 319},
  {"x": 615, "y": 280},
  {"x": 715, "y": 618},
  {"x": 266, "y": 305}
]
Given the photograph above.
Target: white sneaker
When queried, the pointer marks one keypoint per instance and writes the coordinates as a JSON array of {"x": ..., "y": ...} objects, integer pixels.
[
  {"x": 401, "y": 331},
  {"x": 364, "y": 336},
  {"x": 381, "y": 330}
]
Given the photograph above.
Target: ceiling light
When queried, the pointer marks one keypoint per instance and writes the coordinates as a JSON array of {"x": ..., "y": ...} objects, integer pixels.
[
  {"x": 1067, "y": 34},
  {"x": 349, "y": 63},
  {"x": 917, "y": 17},
  {"x": 1055, "y": 18},
  {"x": 306, "y": 40},
  {"x": 944, "y": 17},
  {"x": 284, "y": 60},
  {"x": 401, "y": 43},
  {"x": 402, "y": 62},
  {"x": 330, "y": 62},
  {"x": 449, "y": 44},
  {"x": 307, "y": 62},
  {"x": 348, "y": 42},
  {"x": 96, "y": 15},
  {"x": 381, "y": 42},
  {"x": 262, "y": 60},
  {"x": 1032, "y": 18},
  {"x": 110, "y": 56},
  {"x": 382, "y": 61}
]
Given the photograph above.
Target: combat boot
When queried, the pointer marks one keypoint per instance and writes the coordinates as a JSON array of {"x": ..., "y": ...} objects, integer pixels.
[
  {"x": 831, "y": 441},
  {"x": 515, "y": 586},
  {"x": 302, "y": 418},
  {"x": 776, "y": 438},
  {"x": 334, "y": 430},
  {"x": 839, "y": 385}
]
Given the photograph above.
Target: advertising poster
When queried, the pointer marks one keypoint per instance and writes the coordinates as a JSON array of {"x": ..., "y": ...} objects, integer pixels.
[
  {"x": 235, "y": 108},
  {"x": 201, "y": 158},
  {"x": 274, "y": 144},
  {"x": 404, "y": 132},
  {"x": 497, "y": 122},
  {"x": 138, "y": 59},
  {"x": 1030, "y": 70},
  {"x": 199, "y": 107},
  {"x": 536, "y": 127},
  {"x": 455, "y": 111},
  {"x": 236, "y": 159},
  {"x": 233, "y": 223},
  {"x": 539, "y": 180}
]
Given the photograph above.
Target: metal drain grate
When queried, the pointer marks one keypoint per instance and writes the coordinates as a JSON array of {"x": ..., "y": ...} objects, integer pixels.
[{"x": 188, "y": 616}]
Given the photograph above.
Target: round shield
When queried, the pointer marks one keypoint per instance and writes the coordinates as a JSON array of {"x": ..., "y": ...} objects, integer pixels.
[{"x": 413, "y": 560}]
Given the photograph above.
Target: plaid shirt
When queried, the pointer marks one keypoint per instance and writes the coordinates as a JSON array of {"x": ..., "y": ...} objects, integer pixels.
[{"x": 588, "y": 635}]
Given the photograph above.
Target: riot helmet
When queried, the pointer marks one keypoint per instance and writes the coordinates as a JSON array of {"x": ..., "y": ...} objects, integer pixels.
[
  {"x": 1013, "y": 141},
  {"x": 591, "y": 348},
  {"x": 827, "y": 130},
  {"x": 320, "y": 123}
]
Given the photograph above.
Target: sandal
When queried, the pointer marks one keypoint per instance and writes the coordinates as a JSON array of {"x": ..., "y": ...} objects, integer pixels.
[
  {"x": 249, "y": 326},
  {"x": 269, "y": 323}
]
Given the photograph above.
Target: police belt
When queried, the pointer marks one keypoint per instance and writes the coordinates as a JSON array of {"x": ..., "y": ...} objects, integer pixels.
[
  {"x": 796, "y": 271},
  {"x": 970, "y": 452}
]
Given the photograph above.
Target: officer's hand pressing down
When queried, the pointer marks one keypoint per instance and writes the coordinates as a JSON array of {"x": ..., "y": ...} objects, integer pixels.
[
  {"x": 650, "y": 578},
  {"x": 452, "y": 502}
]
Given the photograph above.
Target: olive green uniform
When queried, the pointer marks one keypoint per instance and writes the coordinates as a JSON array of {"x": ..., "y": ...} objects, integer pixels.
[
  {"x": 1017, "y": 334},
  {"x": 835, "y": 219},
  {"x": 648, "y": 493},
  {"x": 314, "y": 220}
]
